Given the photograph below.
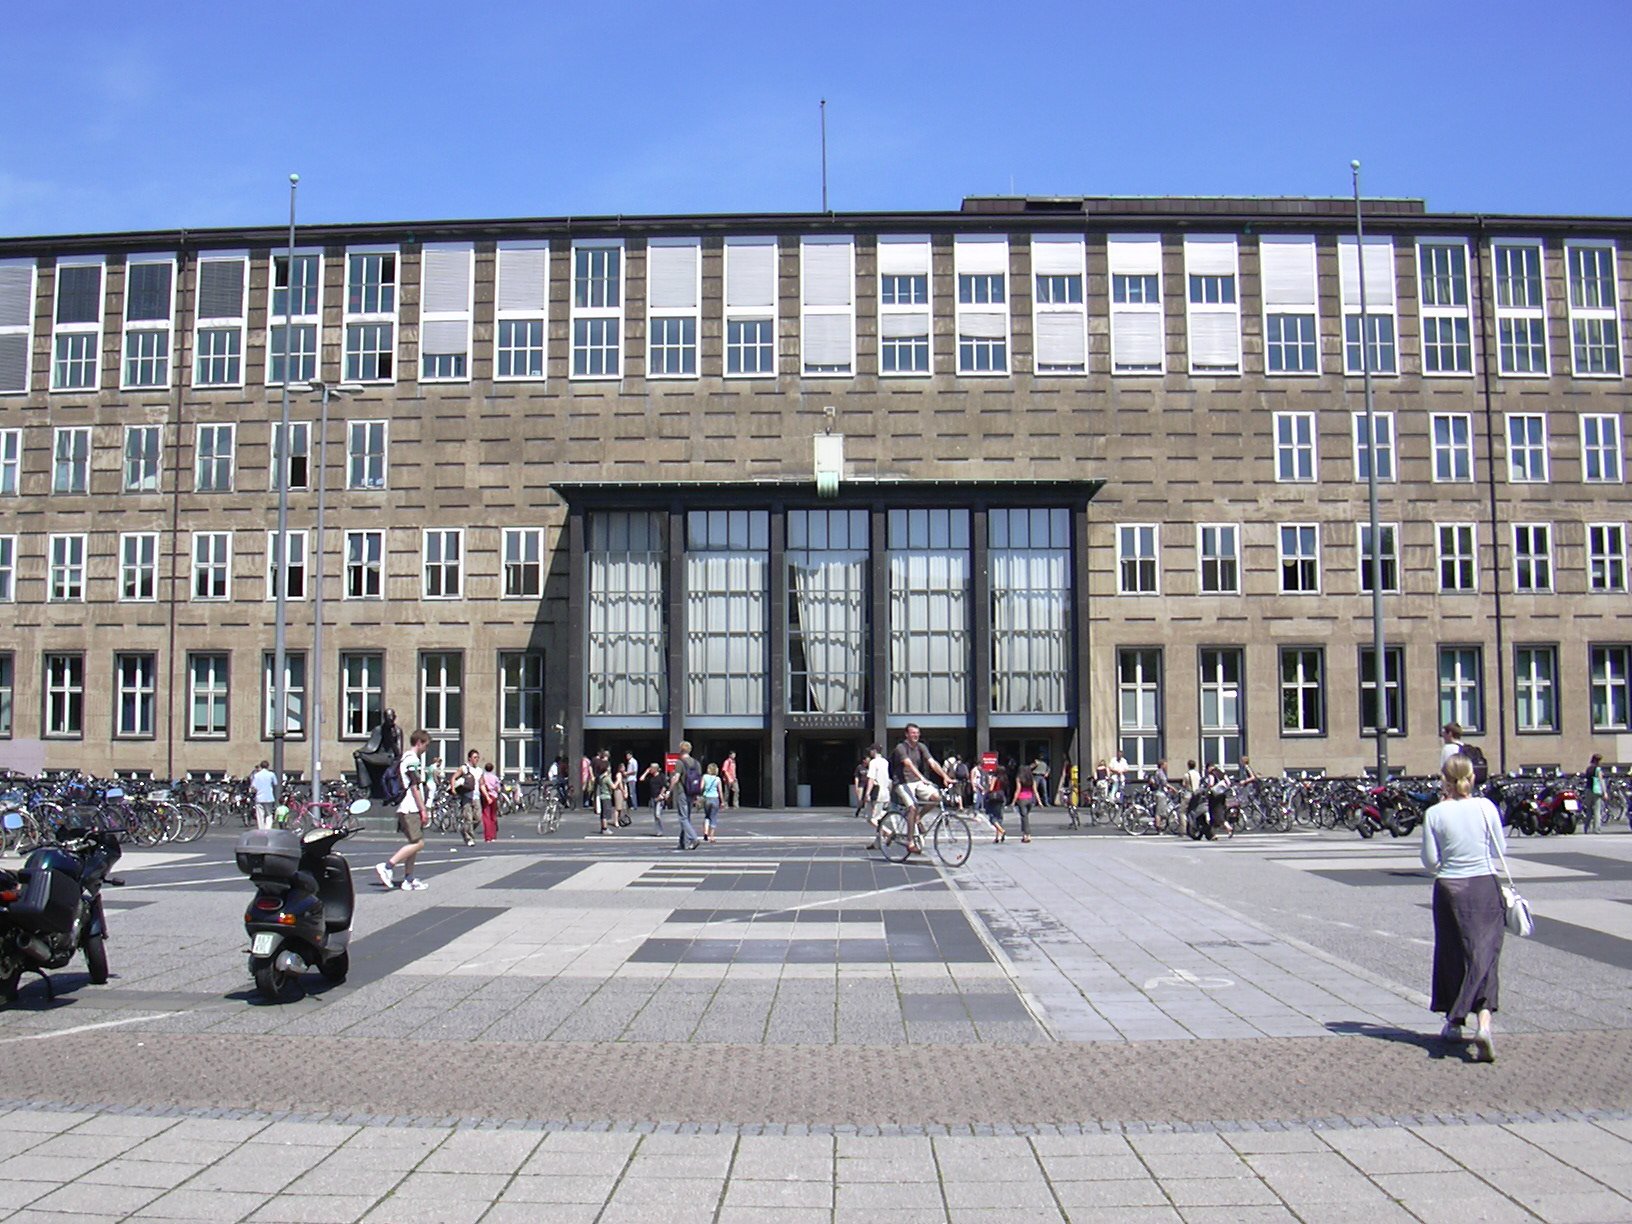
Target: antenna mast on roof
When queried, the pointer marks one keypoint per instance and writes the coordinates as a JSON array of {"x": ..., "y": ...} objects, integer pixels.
[{"x": 824, "y": 153}]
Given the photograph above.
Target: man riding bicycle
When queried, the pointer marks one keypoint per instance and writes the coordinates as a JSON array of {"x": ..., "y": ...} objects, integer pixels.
[{"x": 910, "y": 765}]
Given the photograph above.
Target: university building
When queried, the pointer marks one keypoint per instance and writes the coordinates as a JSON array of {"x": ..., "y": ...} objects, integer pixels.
[{"x": 1042, "y": 475}]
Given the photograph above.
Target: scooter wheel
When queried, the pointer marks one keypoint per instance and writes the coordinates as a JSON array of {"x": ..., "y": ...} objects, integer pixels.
[
  {"x": 1566, "y": 823},
  {"x": 1365, "y": 829},
  {"x": 335, "y": 970},
  {"x": 276, "y": 985},
  {"x": 96, "y": 959}
]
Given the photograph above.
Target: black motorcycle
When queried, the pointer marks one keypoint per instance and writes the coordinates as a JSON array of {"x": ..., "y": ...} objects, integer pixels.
[{"x": 52, "y": 908}]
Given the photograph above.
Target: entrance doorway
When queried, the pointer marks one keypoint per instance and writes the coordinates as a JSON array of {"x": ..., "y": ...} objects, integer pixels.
[{"x": 828, "y": 767}]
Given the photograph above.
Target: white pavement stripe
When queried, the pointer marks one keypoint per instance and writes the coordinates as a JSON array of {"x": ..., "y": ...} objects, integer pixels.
[{"x": 86, "y": 1028}]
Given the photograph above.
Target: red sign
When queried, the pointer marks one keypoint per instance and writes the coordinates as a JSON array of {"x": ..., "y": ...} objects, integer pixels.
[
  {"x": 988, "y": 761},
  {"x": 670, "y": 761}
]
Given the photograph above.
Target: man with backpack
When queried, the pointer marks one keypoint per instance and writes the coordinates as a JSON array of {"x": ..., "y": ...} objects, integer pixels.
[{"x": 684, "y": 786}]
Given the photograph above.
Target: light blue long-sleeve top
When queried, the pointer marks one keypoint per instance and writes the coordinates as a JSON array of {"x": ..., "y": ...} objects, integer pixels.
[{"x": 1457, "y": 835}]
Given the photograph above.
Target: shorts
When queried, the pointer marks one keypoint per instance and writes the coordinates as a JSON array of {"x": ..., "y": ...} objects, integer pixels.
[
  {"x": 916, "y": 794},
  {"x": 411, "y": 826}
]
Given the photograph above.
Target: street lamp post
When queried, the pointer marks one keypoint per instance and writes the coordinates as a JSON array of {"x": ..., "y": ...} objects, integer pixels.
[
  {"x": 314, "y": 682},
  {"x": 1379, "y": 661},
  {"x": 280, "y": 651}
]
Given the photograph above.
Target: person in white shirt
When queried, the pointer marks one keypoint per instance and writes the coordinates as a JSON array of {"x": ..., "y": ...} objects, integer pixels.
[
  {"x": 1119, "y": 773},
  {"x": 412, "y": 815},
  {"x": 878, "y": 787},
  {"x": 263, "y": 786},
  {"x": 1451, "y": 733}
]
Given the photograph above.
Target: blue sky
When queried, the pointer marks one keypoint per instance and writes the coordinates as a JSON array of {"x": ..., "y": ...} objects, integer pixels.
[{"x": 118, "y": 116}]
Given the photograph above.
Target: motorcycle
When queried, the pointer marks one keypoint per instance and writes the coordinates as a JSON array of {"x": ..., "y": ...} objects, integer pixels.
[
  {"x": 1559, "y": 809},
  {"x": 52, "y": 907},
  {"x": 1534, "y": 811},
  {"x": 301, "y": 915},
  {"x": 1391, "y": 807}
]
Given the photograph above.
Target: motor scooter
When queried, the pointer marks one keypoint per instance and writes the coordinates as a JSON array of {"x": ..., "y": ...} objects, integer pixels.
[
  {"x": 301, "y": 916},
  {"x": 52, "y": 908}
]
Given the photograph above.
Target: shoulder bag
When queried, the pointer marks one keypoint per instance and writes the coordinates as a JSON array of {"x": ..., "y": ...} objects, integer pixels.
[{"x": 1518, "y": 916}]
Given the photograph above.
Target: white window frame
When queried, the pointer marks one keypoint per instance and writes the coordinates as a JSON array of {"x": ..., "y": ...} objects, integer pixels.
[
  {"x": 447, "y": 291},
  {"x": 1615, "y": 674},
  {"x": 365, "y": 568},
  {"x": 60, "y": 331},
  {"x": 237, "y": 322},
  {"x": 1290, "y": 285},
  {"x": 1283, "y": 558},
  {"x": 1451, "y": 449},
  {"x": 67, "y": 554},
  {"x": 674, "y": 294},
  {"x": 1539, "y": 560},
  {"x": 275, "y": 321},
  {"x": 353, "y": 454},
  {"x": 216, "y": 429},
  {"x": 1607, "y": 315},
  {"x": 1466, "y": 688},
  {"x": 146, "y": 685},
  {"x": 139, "y": 566},
  {"x": 1388, "y": 472},
  {"x": 17, "y": 293},
  {"x": 220, "y": 677},
  {"x": 1606, "y": 558},
  {"x": 827, "y": 302},
  {"x": 906, "y": 255},
  {"x": 454, "y": 568},
  {"x": 1456, "y": 556},
  {"x": 1059, "y": 330},
  {"x": 526, "y": 540},
  {"x": 66, "y": 695},
  {"x": 71, "y": 433},
  {"x": 1222, "y": 531},
  {"x": 145, "y": 431},
  {"x": 589, "y": 313},
  {"x": 1382, "y": 298},
  {"x": 11, "y": 462},
  {"x": 522, "y": 295},
  {"x": 743, "y": 290},
  {"x": 299, "y": 572},
  {"x": 221, "y": 565},
  {"x": 1213, "y": 257},
  {"x": 1138, "y": 558},
  {"x": 1546, "y": 466},
  {"x": 8, "y": 569},
  {"x": 1295, "y": 422},
  {"x": 371, "y": 318},
  {"x": 1528, "y": 314},
  {"x": 149, "y": 327},
  {"x": 1136, "y": 255},
  {"x": 1607, "y": 424},
  {"x": 982, "y": 256},
  {"x": 1439, "y": 311},
  {"x": 1390, "y": 533},
  {"x": 1530, "y": 680},
  {"x": 301, "y": 432},
  {"x": 296, "y": 687},
  {"x": 1298, "y": 685},
  {"x": 372, "y": 683}
]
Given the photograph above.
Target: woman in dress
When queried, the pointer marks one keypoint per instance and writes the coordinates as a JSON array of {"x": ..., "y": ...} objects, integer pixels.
[
  {"x": 712, "y": 793},
  {"x": 1458, "y": 835}
]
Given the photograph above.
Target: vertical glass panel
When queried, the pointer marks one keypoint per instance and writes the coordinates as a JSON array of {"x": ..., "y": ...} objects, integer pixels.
[
  {"x": 626, "y": 658},
  {"x": 929, "y": 613},
  {"x": 827, "y": 611},
  {"x": 727, "y": 596},
  {"x": 1030, "y": 607}
]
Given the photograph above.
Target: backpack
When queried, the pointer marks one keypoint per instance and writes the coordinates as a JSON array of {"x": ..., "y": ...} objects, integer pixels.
[
  {"x": 1476, "y": 755},
  {"x": 693, "y": 780}
]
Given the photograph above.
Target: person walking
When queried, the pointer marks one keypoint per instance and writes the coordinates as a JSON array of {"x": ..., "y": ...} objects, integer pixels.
[
  {"x": 1192, "y": 795},
  {"x": 684, "y": 784},
  {"x": 858, "y": 782},
  {"x": 1039, "y": 778},
  {"x": 586, "y": 779},
  {"x": 1594, "y": 778},
  {"x": 620, "y": 795},
  {"x": 1458, "y": 835},
  {"x": 995, "y": 783},
  {"x": 600, "y": 787},
  {"x": 1025, "y": 797},
  {"x": 654, "y": 775},
  {"x": 1161, "y": 794},
  {"x": 877, "y": 789},
  {"x": 490, "y": 786},
  {"x": 631, "y": 780},
  {"x": 412, "y": 814},
  {"x": 728, "y": 781},
  {"x": 464, "y": 782},
  {"x": 712, "y": 789},
  {"x": 263, "y": 788}
]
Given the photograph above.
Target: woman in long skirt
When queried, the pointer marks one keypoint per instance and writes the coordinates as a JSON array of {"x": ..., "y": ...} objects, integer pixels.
[{"x": 1459, "y": 836}]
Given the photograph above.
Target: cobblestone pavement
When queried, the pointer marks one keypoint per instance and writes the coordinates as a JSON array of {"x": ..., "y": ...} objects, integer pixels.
[{"x": 782, "y": 1028}]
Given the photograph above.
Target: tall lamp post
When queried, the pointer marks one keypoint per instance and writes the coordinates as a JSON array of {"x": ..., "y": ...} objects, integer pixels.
[
  {"x": 314, "y": 682},
  {"x": 280, "y": 651},
  {"x": 1379, "y": 660}
]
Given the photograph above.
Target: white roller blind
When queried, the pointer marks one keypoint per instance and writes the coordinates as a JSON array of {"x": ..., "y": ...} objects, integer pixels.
[
  {"x": 1135, "y": 254},
  {"x": 983, "y": 324},
  {"x": 446, "y": 275},
  {"x": 903, "y": 255},
  {"x": 438, "y": 337},
  {"x": 1057, "y": 254},
  {"x": 982, "y": 254},
  {"x": 16, "y": 292},
  {"x": 523, "y": 278},
  {"x": 1136, "y": 338},
  {"x": 895, "y": 324},
  {"x": 1210, "y": 254},
  {"x": 750, "y": 272},
  {"x": 1060, "y": 339},
  {"x": 1379, "y": 273},
  {"x": 826, "y": 271},
  {"x": 827, "y": 339},
  {"x": 1287, "y": 267},
  {"x": 1215, "y": 339},
  {"x": 671, "y": 274}
]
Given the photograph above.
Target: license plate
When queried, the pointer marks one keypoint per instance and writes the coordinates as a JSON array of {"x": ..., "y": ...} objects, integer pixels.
[
  {"x": 1572, "y": 805},
  {"x": 264, "y": 942}
]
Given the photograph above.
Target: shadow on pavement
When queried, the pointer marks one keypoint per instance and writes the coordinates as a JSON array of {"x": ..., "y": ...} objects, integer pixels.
[{"x": 1432, "y": 1043}]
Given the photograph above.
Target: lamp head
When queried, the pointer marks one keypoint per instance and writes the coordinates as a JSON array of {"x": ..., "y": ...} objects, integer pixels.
[{"x": 294, "y": 179}]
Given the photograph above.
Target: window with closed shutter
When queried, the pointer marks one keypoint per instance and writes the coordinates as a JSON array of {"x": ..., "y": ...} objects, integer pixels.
[
  {"x": 521, "y": 310},
  {"x": 1213, "y": 303},
  {"x": 1380, "y": 324},
  {"x": 16, "y": 323},
  {"x": 1138, "y": 343},
  {"x": 673, "y": 298},
  {"x": 76, "y": 343},
  {"x": 827, "y": 288},
  {"x": 1059, "y": 313},
  {"x": 1288, "y": 279},
  {"x": 218, "y": 340},
  {"x": 750, "y": 307},
  {"x": 981, "y": 264},
  {"x": 148, "y": 298},
  {"x": 904, "y": 341},
  {"x": 444, "y": 312}
]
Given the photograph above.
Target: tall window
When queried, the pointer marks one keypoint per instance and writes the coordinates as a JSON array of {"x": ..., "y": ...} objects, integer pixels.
[
  {"x": 213, "y": 453},
  {"x": 1393, "y": 690},
  {"x": 296, "y": 588},
  {"x": 1139, "y": 705},
  {"x": 929, "y": 613},
  {"x": 148, "y": 305},
  {"x": 443, "y": 563},
  {"x": 11, "y": 461},
  {"x": 362, "y": 689},
  {"x": 1601, "y": 448},
  {"x": 143, "y": 458},
  {"x": 371, "y": 316},
  {"x": 16, "y": 325},
  {"x": 1295, "y": 447},
  {"x": 71, "y": 459},
  {"x": 8, "y": 693},
  {"x": 1059, "y": 322},
  {"x": 139, "y": 566},
  {"x": 218, "y": 328},
  {"x": 1606, "y": 557},
  {"x": 982, "y": 265},
  {"x": 727, "y": 583},
  {"x": 208, "y": 690},
  {"x": 903, "y": 304},
  {"x": 521, "y": 310},
  {"x": 365, "y": 455},
  {"x": 1138, "y": 338},
  {"x": 597, "y": 309},
  {"x": 67, "y": 578},
  {"x": 442, "y": 702},
  {"x": 827, "y": 559},
  {"x": 1379, "y": 327},
  {"x": 1442, "y": 283},
  {"x": 1453, "y": 446},
  {"x": 1535, "y": 680},
  {"x": 1136, "y": 570},
  {"x": 365, "y": 565},
  {"x": 673, "y": 306},
  {"x": 1213, "y": 304},
  {"x": 212, "y": 565},
  {"x": 294, "y": 673},
  {"x": 1291, "y": 304},
  {"x": 1030, "y": 561},
  {"x": 1390, "y": 556},
  {"x": 76, "y": 341},
  {"x": 1521, "y": 309},
  {"x": 827, "y": 299},
  {"x": 1222, "y": 716},
  {"x": 300, "y": 304},
  {"x": 1462, "y": 687},
  {"x": 1611, "y": 668},
  {"x": 1299, "y": 545},
  {"x": 64, "y": 696},
  {"x": 1219, "y": 549},
  {"x": 1458, "y": 556},
  {"x": 523, "y": 562},
  {"x": 135, "y": 685},
  {"x": 521, "y": 714},
  {"x": 1595, "y": 309},
  {"x": 1532, "y": 557},
  {"x": 1303, "y": 690},
  {"x": 626, "y": 662},
  {"x": 750, "y": 307},
  {"x": 8, "y": 568},
  {"x": 1526, "y": 448},
  {"x": 299, "y": 472},
  {"x": 1383, "y": 450},
  {"x": 445, "y": 293}
]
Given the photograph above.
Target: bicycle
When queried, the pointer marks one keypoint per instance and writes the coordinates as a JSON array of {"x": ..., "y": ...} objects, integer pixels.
[
  {"x": 549, "y": 816},
  {"x": 944, "y": 827}
]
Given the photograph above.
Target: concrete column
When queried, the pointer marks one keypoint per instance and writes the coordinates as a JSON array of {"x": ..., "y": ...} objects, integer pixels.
[
  {"x": 1082, "y": 659},
  {"x": 674, "y": 590},
  {"x": 980, "y": 654},
  {"x": 777, "y": 660},
  {"x": 879, "y": 597},
  {"x": 577, "y": 638}
]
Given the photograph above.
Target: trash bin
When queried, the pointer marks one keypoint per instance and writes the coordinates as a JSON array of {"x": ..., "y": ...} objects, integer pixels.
[{"x": 802, "y": 795}]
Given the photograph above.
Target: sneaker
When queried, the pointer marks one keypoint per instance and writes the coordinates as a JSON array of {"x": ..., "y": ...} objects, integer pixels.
[
  {"x": 1484, "y": 1046},
  {"x": 383, "y": 870},
  {"x": 415, "y": 884},
  {"x": 1452, "y": 1033}
]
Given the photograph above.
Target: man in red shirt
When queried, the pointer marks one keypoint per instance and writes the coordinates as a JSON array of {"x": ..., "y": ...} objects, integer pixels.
[{"x": 728, "y": 777}]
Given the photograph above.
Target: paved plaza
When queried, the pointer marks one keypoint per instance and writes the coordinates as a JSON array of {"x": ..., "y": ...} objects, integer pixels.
[{"x": 784, "y": 1027}]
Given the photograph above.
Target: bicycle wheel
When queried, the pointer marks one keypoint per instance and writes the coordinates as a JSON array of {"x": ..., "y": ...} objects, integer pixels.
[
  {"x": 892, "y": 835},
  {"x": 194, "y": 822},
  {"x": 952, "y": 840}
]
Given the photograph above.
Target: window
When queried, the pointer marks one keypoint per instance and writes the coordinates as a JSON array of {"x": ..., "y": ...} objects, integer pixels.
[
  {"x": 521, "y": 714},
  {"x": 299, "y": 306},
  {"x": 11, "y": 461},
  {"x": 521, "y": 310},
  {"x": 1222, "y": 716},
  {"x": 362, "y": 689},
  {"x": 1462, "y": 687},
  {"x": 1379, "y": 306},
  {"x": 1300, "y": 558},
  {"x": 929, "y": 567},
  {"x": 1521, "y": 309},
  {"x": 365, "y": 565},
  {"x": 1458, "y": 557},
  {"x": 442, "y": 702},
  {"x": 212, "y": 565},
  {"x": 673, "y": 303},
  {"x": 523, "y": 562},
  {"x": 443, "y": 563},
  {"x": 597, "y": 309},
  {"x": 1291, "y": 304},
  {"x": 445, "y": 293},
  {"x": 1611, "y": 668},
  {"x": 1213, "y": 309},
  {"x": 64, "y": 696},
  {"x": 1136, "y": 559},
  {"x": 1139, "y": 705},
  {"x": 298, "y": 475},
  {"x": 1294, "y": 447},
  {"x": 67, "y": 579},
  {"x": 827, "y": 557},
  {"x": 213, "y": 458},
  {"x": 1527, "y": 448},
  {"x": 149, "y": 299},
  {"x": 1138, "y": 340},
  {"x": 143, "y": 444},
  {"x": 297, "y": 565},
  {"x": 371, "y": 316},
  {"x": 76, "y": 341},
  {"x": 1219, "y": 548},
  {"x": 1453, "y": 446},
  {"x": 750, "y": 307},
  {"x": 1029, "y": 555},
  {"x": 1390, "y": 557},
  {"x": 1384, "y": 449},
  {"x": 139, "y": 566},
  {"x": 1601, "y": 448},
  {"x": 135, "y": 679},
  {"x": 1442, "y": 286},
  {"x": 8, "y": 693},
  {"x": 1535, "y": 681},
  {"x": 981, "y": 262},
  {"x": 294, "y": 692},
  {"x": 626, "y": 666},
  {"x": 365, "y": 455},
  {"x": 8, "y": 568},
  {"x": 218, "y": 330},
  {"x": 827, "y": 297},
  {"x": 1532, "y": 557},
  {"x": 1595, "y": 310},
  {"x": 207, "y": 693},
  {"x": 1393, "y": 690},
  {"x": 903, "y": 304},
  {"x": 727, "y": 588},
  {"x": 1303, "y": 690},
  {"x": 1059, "y": 321},
  {"x": 71, "y": 459},
  {"x": 16, "y": 325},
  {"x": 1606, "y": 557}
]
